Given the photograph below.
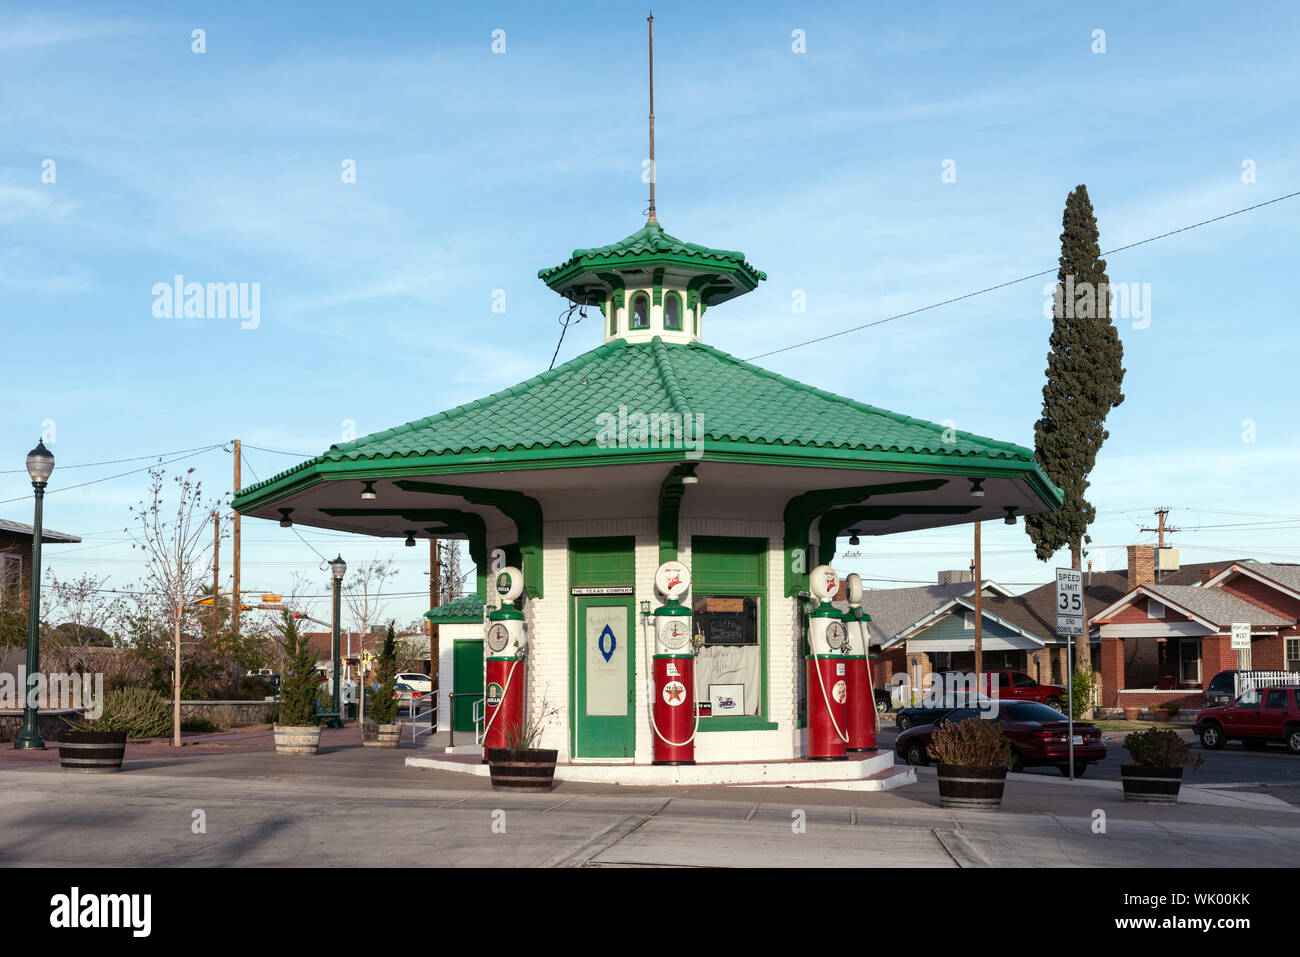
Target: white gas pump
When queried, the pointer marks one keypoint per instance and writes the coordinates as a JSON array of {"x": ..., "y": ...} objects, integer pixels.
[
  {"x": 505, "y": 649},
  {"x": 860, "y": 708}
]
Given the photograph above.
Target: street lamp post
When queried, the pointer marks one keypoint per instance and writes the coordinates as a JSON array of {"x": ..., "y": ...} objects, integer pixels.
[
  {"x": 40, "y": 463},
  {"x": 337, "y": 568}
]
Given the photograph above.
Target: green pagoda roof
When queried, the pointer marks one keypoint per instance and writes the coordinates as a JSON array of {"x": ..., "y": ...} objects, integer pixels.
[
  {"x": 745, "y": 413},
  {"x": 466, "y": 608},
  {"x": 589, "y": 274}
]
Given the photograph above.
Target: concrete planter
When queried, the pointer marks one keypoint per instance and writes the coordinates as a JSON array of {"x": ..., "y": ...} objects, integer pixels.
[
  {"x": 92, "y": 752},
  {"x": 971, "y": 787},
  {"x": 387, "y": 736},
  {"x": 295, "y": 740},
  {"x": 1145, "y": 785},
  {"x": 1132, "y": 714}
]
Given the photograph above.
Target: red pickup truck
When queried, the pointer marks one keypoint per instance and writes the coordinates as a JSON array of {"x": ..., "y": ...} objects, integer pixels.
[
  {"x": 1254, "y": 719},
  {"x": 1017, "y": 686}
]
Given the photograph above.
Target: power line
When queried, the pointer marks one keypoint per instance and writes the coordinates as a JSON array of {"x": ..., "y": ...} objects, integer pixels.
[
  {"x": 109, "y": 478},
  {"x": 1012, "y": 282},
  {"x": 135, "y": 458}
]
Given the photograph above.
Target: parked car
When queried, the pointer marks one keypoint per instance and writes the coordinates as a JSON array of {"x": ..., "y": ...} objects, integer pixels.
[
  {"x": 408, "y": 698},
  {"x": 1222, "y": 688},
  {"x": 1255, "y": 719},
  {"x": 884, "y": 700},
  {"x": 1038, "y": 736},
  {"x": 930, "y": 712},
  {"x": 417, "y": 681},
  {"x": 1018, "y": 686}
]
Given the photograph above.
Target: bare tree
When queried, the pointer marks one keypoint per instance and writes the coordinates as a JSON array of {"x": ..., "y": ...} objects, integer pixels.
[
  {"x": 363, "y": 591},
  {"x": 177, "y": 551},
  {"x": 82, "y": 612}
]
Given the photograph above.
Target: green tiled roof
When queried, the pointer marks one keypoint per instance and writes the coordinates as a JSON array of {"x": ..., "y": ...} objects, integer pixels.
[
  {"x": 651, "y": 243},
  {"x": 741, "y": 409},
  {"x": 466, "y": 608}
]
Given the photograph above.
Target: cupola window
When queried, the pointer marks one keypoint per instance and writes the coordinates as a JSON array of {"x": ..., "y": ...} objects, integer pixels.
[
  {"x": 673, "y": 312},
  {"x": 640, "y": 311}
]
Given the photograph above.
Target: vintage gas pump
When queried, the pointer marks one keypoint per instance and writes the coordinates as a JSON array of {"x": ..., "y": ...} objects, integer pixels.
[
  {"x": 505, "y": 649},
  {"x": 827, "y": 671},
  {"x": 861, "y": 705},
  {"x": 673, "y": 717}
]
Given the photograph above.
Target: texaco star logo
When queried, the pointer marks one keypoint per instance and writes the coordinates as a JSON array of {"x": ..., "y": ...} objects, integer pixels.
[{"x": 675, "y": 693}]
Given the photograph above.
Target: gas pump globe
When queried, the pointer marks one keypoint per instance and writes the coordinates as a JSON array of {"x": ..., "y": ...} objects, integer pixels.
[
  {"x": 505, "y": 649},
  {"x": 673, "y": 714},
  {"x": 828, "y": 691}
]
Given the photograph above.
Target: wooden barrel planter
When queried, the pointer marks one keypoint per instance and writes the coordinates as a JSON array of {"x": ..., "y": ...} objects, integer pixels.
[
  {"x": 971, "y": 787},
  {"x": 530, "y": 769},
  {"x": 295, "y": 740},
  {"x": 92, "y": 752},
  {"x": 386, "y": 736},
  {"x": 1151, "y": 785}
]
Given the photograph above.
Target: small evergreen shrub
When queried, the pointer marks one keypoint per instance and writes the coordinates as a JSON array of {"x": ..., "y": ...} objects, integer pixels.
[
  {"x": 1160, "y": 748},
  {"x": 140, "y": 712},
  {"x": 197, "y": 725},
  {"x": 384, "y": 707},
  {"x": 299, "y": 687},
  {"x": 974, "y": 742}
]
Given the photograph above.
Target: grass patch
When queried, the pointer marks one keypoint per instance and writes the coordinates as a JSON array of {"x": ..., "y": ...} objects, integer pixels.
[{"x": 1140, "y": 726}]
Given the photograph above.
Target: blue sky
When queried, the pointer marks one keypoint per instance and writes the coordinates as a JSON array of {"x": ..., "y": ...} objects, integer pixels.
[{"x": 475, "y": 169}]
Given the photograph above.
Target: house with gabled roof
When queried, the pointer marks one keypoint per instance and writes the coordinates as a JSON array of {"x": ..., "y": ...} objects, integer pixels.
[{"x": 1166, "y": 638}]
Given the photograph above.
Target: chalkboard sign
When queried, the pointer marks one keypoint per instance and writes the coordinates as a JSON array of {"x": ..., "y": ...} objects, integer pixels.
[{"x": 727, "y": 621}]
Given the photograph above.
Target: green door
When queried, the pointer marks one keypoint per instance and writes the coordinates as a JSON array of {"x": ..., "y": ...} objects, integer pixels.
[
  {"x": 603, "y": 646},
  {"x": 467, "y": 671}
]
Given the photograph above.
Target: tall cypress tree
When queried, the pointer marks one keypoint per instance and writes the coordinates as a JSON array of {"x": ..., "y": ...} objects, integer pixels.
[{"x": 1084, "y": 374}]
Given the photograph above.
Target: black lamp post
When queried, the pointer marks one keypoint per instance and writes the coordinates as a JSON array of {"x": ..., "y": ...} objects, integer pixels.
[
  {"x": 40, "y": 463},
  {"x": 337, "y": 568}
]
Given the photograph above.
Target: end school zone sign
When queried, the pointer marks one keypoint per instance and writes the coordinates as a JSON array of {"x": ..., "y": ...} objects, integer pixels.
[{"x": 1069, "y": 602}]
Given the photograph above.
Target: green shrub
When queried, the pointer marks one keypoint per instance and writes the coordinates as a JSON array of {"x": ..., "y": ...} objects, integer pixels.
[
  {"x": 384, "y": 707},
  {"x": 974, "y": 742},
  {"x": 1160, "y": 748},
  {"x": 139, "y": 712},
  {"x": 299, "y": 687},
  {"x": 1173, "y": 707},
  {"x": 1082, "y": 682},
  {"x": 197, "y": 725}
]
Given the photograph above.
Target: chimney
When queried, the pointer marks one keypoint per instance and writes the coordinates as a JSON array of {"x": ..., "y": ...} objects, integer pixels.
[
  {"x": 1141, "y": 565},
  {"x": 1208, "y": 573}
]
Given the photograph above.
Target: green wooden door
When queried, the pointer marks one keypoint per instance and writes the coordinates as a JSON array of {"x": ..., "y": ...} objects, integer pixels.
[
  {"x": 467, "y": 671},
  {"x": 602, "y": 652}
]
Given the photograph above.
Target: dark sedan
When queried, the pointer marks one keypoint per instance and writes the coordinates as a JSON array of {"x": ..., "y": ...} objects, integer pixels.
[{"x": 1038, "y": 736}]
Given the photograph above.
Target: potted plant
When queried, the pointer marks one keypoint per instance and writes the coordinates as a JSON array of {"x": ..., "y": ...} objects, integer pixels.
[
  {"x": 1155, "y": 773},
  {"x": 973, "y": 757},
  {"x": 97, "y": 745},
  {"x": 520, "y": 766},
  {"x": 1166, "y": 710},
  {"x": 1132, "y": 714},
  {"x": 381, "y": 729},
  {"x": 294, "y": 732}
]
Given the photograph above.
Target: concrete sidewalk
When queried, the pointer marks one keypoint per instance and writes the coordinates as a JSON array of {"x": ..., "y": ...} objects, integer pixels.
[{"x": 245, "y": 805}]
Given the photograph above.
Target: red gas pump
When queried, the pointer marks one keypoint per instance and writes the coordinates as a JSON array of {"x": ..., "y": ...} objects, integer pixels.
[
  {"x": 505, "y": 649},
  {"x": 673, "y": 718},
  {"x": 827, "y": 671},
  {"x": 860, "y": 707}
]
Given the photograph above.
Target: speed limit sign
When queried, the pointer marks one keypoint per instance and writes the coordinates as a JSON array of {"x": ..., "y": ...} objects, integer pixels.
[{"x": 1069, "y": 601}]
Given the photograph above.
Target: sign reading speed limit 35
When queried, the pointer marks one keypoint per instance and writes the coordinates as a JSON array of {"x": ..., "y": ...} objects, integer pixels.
[{"x": 1069, "y": 601}]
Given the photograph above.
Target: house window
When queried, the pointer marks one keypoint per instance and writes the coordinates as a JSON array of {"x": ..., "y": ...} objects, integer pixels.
[
  {"x": 640, "y": 311},
  {"x": 970, "y": 621},
  {"x": 1293, "y": 654},
  {"x": 11, "y": 573},
  {"x": 728, "y": 593},
  {"x": 1155, "y": 609},
  {"x": 673, "y": 312},
  {"x": 1189, "y": 662}
]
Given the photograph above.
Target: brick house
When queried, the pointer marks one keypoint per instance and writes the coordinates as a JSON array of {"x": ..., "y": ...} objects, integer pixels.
[
  {"x": 1168, "y": 636},
  {"x": 16, "y": 556}
]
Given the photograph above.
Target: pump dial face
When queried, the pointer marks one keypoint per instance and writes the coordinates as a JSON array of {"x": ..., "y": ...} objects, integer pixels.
[
  {"x": 835, "y": 634},
  {"x": 498, "y": 636},
  {"x": 674, "y": 633}
]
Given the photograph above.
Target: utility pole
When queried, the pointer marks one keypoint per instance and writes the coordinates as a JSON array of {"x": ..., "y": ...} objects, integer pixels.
[
  {"x": 234, "y": 598},
  {"x": 978, "y": 575},
  {"x": 1161, "y": 530},
  {"x": 435, "y": 592},
  {"x": 216, "y": 570}
]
